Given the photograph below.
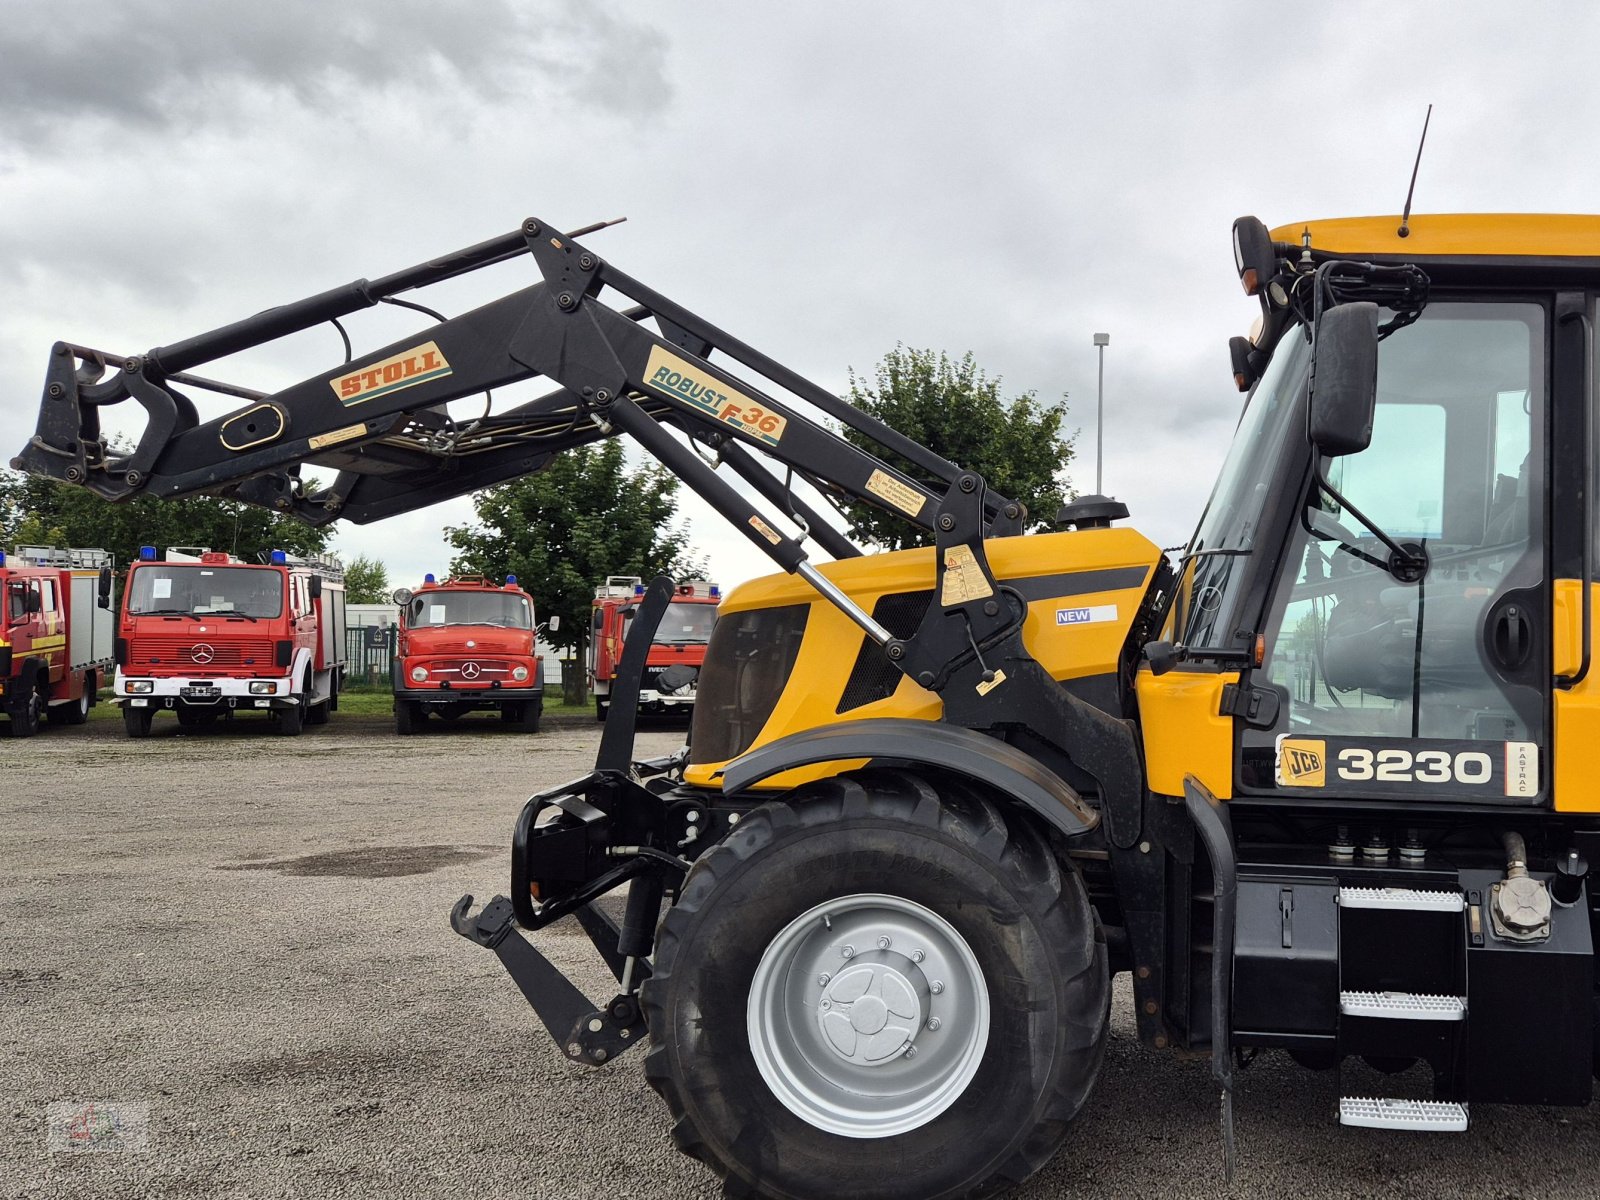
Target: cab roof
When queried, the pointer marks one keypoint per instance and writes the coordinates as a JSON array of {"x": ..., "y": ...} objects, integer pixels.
[{"x": 1527, "y": 237}]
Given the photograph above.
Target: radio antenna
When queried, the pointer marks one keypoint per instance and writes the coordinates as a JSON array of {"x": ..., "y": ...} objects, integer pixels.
[{"x": 1405, "y": 215}]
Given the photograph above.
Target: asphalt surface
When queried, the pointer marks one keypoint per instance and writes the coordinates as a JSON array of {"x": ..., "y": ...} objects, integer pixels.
[{"x": 249, "y": 936}]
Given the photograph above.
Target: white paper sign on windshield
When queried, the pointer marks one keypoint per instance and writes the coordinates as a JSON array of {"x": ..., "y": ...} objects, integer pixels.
[{"x": 161, "y": 589}]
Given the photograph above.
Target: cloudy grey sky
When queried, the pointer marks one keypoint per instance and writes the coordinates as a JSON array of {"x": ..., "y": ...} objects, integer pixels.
[{"x": 823, "y": 179}]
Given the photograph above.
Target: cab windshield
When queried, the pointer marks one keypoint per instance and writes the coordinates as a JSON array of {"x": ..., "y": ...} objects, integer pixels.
[
  {"x": 681, "y": 624},
  {"x": 179, "y": 589},
  {"x": 433, "y": 609},
  {"x": 1214, "y": 564}
]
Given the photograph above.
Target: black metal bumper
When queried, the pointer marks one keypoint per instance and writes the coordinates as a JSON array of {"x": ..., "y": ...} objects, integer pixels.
[{"x": 478, "y": 697}]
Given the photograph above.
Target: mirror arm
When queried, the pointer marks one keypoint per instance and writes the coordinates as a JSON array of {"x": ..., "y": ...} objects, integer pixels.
[{"x": 1401, "y": 559}]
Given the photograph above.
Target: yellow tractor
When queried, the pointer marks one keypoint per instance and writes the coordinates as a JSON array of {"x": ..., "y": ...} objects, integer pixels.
[{"x": 1322, "y": 784}]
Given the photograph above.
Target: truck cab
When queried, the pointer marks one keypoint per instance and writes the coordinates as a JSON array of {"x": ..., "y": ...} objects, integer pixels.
[
  {"x": 672, "y": 670},
  {"x": 467, "y": 645},
  {"x": 204, "y": 635},
  {"x": 55, "y": 635}
]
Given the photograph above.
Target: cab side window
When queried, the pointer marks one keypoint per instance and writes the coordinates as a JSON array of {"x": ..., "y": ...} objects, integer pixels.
[
  {"x": 16, "y": 602},
  {"x": 47, "y": 596}
]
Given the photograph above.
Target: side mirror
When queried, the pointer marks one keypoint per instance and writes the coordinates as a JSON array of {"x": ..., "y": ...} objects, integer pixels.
[
  {"x": 314, "y": 586},
  {"x": 105, "y": 587},
  {"x": 401, "y": 596},
  {"x": 553, "y": 622},
  {"x": 35, "y": 602},
  {"x": 1344, "y": 378}
]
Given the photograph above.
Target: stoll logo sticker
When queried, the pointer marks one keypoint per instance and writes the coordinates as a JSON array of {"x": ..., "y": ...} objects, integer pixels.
[
  {"x": 406, "y": 369},
  {"x": 1086, "y": 616},
  {"x": 98, "y": 1127},
  {"x": 1302, "y": 762}
]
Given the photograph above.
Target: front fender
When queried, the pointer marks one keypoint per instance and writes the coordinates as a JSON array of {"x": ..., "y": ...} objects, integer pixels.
[{"x": 979, "y": 757}]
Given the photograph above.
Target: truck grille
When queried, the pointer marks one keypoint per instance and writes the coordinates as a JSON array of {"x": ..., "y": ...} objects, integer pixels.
[
  {"x": 179, "y": 654},
  {"x": 747, "y": 666}
]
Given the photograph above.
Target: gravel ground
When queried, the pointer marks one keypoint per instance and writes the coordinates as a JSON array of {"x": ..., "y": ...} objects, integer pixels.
[{"x": 249, "y": 936}]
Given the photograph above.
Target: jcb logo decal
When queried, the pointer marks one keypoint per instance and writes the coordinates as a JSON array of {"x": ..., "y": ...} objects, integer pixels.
[
  {"x": 406, "y": 369},
  {"x": 1302, "y": 762}
]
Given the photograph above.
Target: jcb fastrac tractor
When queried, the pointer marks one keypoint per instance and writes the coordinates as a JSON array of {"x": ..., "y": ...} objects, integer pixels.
[{"x": 1324, "y": 784}]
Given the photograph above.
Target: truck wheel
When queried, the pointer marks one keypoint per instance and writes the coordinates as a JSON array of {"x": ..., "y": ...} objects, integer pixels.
[
  {"x": 408, "y": 717},
  {"x": 26, "y": 714},
  {"x": 77, "y": 712},
  {"x": 292, "y": 720},
  {"x": 601, "y": 707},
  {"x": 137, "y": 721},
  {"x": 317, "y": 714},
  {"x": 523, "y": 717},
  {"x": 877, "y": 987}
]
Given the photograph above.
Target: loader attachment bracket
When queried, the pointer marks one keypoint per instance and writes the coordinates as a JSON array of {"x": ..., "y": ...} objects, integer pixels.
[{"x": 588, "y": 1035}]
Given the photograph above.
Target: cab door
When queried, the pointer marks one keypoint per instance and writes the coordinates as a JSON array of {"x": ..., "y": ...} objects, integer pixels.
[
  {"x": 1575, "y": 557},
  {"x": 1437, "y": 684}
]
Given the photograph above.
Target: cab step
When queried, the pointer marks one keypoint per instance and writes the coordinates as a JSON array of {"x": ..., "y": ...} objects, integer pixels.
[
  {"x": 1422, "y": 1116},
  {"x": 1403, "y": 1006},
  {"x": 1401, "y": 899}
]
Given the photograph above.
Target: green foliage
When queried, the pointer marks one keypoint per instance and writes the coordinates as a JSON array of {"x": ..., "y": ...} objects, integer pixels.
[
  {"x": 366, "y": 581},
  {"x": 44, "y": 512},
  {"x": 563, "y": 530},
  {"x": 956, "y": 411}
]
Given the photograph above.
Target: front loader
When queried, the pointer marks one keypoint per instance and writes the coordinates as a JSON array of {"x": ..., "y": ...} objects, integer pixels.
[{"x": 1320, "y": 786}]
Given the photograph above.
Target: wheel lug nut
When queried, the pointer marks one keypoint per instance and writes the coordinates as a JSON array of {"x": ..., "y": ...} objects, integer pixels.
[
  {"x": 933, "y": 1024},
  {"x": 911, "y": 1051},
  {"x": 822, "y": 980},
  {"x": 826, "y": 1004},
  {"x": 936, "y": 986},
  {"x": 848, "y": 951},
  {"x": 884, "y": 943},
  {"x": 917, "y": 956}
]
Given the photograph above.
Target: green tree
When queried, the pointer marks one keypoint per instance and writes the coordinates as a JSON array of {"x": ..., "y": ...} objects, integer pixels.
[
  {"x": 564, "y": 529},
  {"x": 957, "y": 411},
  {"x": 366, "y": 581},
  {"x": 45, "y": 512}
]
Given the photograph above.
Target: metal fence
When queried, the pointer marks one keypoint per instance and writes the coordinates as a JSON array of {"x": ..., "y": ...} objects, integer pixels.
[{"x": 369, "y": 649}]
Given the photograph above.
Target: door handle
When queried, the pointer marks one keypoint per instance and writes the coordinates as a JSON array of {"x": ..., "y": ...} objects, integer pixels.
[{"x": 1511, "y": 636}]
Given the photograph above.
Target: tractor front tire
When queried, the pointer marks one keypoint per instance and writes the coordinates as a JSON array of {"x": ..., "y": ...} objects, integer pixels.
[{"x": 879, "y": 986}]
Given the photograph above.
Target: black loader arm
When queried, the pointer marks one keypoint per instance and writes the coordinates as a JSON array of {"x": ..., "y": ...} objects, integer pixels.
[{"x": 620, "y": 358}]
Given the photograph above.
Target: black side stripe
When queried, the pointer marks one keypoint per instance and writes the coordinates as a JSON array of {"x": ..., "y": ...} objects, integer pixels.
[{"x": 1079, "y": 583}]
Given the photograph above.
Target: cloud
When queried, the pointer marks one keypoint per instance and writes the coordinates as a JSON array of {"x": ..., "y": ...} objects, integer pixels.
[{"x": 178, "y": 65}]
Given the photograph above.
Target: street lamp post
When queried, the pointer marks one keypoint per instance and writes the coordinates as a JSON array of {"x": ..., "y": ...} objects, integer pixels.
[{"x": 1101, "y": 341}]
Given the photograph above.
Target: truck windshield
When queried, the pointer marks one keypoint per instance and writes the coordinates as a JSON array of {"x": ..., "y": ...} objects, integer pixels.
[
  {"x": 205, "y": 590},
  {"x": 681, "y": 624},
  {"x": 1273, "y": 420},
  {"x": 448, "y": 607}
]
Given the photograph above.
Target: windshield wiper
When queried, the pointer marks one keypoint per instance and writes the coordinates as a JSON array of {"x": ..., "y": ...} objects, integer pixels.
[
  {"x": 1407, "y": 564},
  {"x": 160, "y": 612}
]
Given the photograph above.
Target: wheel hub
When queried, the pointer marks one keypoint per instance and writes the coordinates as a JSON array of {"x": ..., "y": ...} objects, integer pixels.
[{"x": 871, "y": 1011}]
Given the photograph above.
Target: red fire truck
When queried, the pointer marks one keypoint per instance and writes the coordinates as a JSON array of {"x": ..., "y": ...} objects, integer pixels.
[
  {"x": 673, "y": 667},
  {"x": 55, "y": 645},
  {"x": 204, "y": 635},
  {"x": 466, "y": 645}
]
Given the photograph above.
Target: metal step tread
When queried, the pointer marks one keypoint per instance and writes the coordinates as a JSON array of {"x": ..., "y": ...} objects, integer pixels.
[
  {"x": 1406, "y": 1006},
  {"x": 1403, "y": 899},
  {"x": 1425, "y": 1116}
]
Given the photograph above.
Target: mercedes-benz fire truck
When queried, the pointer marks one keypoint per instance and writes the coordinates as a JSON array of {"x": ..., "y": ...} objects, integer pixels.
[
  {"x": 467, "y": 645},
  {"x": 204, "y": 635},
  {"x": 55, "y": 643},
  {"x": 673, "y": 667}
]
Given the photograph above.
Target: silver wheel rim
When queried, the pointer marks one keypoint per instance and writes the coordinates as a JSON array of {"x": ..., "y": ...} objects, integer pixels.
[{"x": 868, "y": 1016}]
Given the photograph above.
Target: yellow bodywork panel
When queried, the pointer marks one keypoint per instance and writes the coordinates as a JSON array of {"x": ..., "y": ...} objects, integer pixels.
[
  {"x": 1454, "y": 235},
  {"x": 1577, "y": 710},
  {"x": 1086, "y": 641},
  {"x": 1185, "y": 733}
]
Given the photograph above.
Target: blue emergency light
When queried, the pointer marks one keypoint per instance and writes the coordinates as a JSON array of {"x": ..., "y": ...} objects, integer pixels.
[
  {"x": 716, "y": 592},
  {"x": 511, "y": 581},
  {"x": 638, "y": 589},
  {"x": 147, "y": 554},
  {"x": 428, "y": 578},
  {"x": 2, "y": 558},
  {"x": 279, "y": 558}
]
